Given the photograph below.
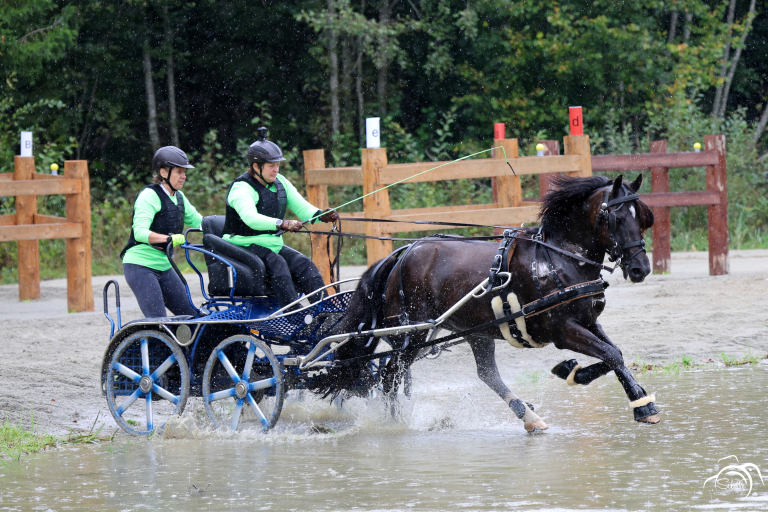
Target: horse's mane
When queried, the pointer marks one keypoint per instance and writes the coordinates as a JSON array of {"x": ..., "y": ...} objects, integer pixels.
[{"x": 571, "y": 193}]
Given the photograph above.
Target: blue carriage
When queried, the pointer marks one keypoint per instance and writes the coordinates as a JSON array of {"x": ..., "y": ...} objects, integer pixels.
[{"x": 241, "y": 356}]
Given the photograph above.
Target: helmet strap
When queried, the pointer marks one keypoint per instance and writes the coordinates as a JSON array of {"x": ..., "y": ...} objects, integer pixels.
[
  {"x": 170, "y": 169},
  {"x": 261, "y": 172}
]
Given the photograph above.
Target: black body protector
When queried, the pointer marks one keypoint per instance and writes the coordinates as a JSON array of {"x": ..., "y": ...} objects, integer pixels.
[
  {"x": 271, "y": 204},
  {"x": 168, "y": 221}
]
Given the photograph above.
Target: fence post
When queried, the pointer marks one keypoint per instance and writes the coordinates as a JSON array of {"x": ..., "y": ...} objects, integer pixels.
[
  {"x": 545, "y": 180},
  {"x": 717, "y": 215},
  {"x": 78, "y": 250},
  {"x": 662, "y": 250},
  {"x": 318, "y": 196},
  {"x": 509, "y": 193},
  {"x": 579, "y": 145},
  {"x": 28, "y": 250},
  {"x": 375, "y": 205}
]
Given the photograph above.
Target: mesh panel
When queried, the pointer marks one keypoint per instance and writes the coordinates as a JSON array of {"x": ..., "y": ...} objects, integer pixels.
[
  {"x": 158, "y": 353},
  {"x": 238, "y": 312},
  {"x": 323, "y": 317}
]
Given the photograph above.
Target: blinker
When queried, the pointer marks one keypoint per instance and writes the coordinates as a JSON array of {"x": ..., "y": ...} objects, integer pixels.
[{"x": 612, "y": 221}]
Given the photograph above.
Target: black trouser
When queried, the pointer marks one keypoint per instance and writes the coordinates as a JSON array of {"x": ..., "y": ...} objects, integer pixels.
[
  {"x": 155, "y": 290},
  {"x": 287, "y": 267}
]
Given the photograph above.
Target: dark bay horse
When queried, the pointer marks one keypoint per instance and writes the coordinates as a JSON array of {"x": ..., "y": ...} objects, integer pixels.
[{"x": 586, "y": 217}]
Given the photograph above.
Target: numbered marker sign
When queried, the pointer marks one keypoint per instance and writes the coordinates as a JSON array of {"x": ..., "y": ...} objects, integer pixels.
[
  {"x": 576, "y": 121},
  {"x": 26, "y": 143},
  {"x": 372, "y": 133}
]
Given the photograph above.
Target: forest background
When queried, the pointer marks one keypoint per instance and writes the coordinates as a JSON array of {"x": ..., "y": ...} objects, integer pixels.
[{"x": 110, "y": 81}]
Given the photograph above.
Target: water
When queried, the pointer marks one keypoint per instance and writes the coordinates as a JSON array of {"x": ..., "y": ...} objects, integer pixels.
[{"x": 456, "y": 449}]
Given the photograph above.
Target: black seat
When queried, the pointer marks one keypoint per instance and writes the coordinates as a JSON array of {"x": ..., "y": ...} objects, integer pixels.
[{"x": 251, "y": 273}]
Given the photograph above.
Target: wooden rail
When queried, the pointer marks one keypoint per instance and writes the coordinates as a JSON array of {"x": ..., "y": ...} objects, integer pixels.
[
  {"x": 26, "y": 227},
  {"x": 508, "y": 207},
  {"x": 715, "y": 197}
]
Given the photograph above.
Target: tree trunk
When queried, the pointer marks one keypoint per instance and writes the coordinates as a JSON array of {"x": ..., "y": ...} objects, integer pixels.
[
  {"x": 672, "y": 27},
  {"x": 149, "y": 88},
  {"x": 334, "y": 58},
  {"x": 760, "y": 126},
  {"x": 359, "y": 91},
  {"x": 736, "y": 57},
  {"x": 687, "y": 30},
  {"x": 381, "y": 86},
  {"x": 726, "y": 55},
  {"x": 171, "y": 77}
]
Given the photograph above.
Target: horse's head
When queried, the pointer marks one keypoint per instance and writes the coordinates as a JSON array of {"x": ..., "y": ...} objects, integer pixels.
[{"x": 620, "y": 219}]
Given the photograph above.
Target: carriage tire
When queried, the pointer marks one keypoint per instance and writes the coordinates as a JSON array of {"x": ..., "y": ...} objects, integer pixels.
[
  {"x": 140, "y": 355},
  {"x": 225, "y": 398}
]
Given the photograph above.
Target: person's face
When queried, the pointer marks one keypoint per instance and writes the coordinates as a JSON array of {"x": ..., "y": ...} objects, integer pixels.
[
  {"x": 270, "y": 171},
  {"x": 177, "y": 178}
]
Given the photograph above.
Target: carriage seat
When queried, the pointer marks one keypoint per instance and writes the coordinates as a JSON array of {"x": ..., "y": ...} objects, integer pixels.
[{"x": 251, "y": 273}]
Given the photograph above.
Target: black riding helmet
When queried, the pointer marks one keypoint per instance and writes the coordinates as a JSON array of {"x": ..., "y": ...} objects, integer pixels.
[
  {"x": 169, "y": 157},
  {"x": 263, "y": 151}
]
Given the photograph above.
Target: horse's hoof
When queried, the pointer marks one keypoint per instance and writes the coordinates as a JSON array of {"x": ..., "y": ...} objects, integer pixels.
[
  {"x": 653, "y": 419},
  {"x": 533, "y": 423},
  {"x": 536, "y": 426},
  {"x": 564, "y": 369}
]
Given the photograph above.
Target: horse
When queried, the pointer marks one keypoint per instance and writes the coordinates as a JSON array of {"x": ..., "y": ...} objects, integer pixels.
[{"x": 580, "y": 221}]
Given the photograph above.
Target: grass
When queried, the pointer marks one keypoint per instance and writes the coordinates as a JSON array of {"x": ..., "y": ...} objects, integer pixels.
[
  {"x": 16, "y": 440},
  {"x": 685, "y": 363}
]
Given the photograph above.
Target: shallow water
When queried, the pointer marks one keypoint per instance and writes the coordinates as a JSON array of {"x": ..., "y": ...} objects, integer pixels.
[{"x": 456, "y": 448}]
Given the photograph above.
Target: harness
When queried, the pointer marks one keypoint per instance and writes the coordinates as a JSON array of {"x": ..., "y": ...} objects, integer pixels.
[
  {"x": 271, "y": 204},
  {"x": 169, "y": 220}
]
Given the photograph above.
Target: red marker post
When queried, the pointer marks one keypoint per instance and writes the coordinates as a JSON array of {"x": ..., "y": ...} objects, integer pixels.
[
  {"x": 499, "y": 131},
  {"x": 576, "y": 120}
]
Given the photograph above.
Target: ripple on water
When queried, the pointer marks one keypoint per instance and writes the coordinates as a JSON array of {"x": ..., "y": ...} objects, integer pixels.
[{"x": 452, "y": 449}]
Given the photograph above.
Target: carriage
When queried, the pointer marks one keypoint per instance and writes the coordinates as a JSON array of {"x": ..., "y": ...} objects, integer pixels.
[{"x": 241, "y": 356}]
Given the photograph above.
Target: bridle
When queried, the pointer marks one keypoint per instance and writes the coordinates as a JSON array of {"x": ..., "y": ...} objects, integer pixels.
[{"x": 616, "y": 251}]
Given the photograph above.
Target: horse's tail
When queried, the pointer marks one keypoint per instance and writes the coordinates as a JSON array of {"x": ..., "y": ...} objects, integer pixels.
[{"x": 366, "y": 308}]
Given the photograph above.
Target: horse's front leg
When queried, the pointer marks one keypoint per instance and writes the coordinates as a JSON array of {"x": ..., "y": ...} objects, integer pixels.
[
  {"x": 484, "y": 351},
  {"x": 593, "y": 341}
]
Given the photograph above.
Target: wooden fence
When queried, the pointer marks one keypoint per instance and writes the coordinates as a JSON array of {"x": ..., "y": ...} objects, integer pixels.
[
  {"x": 375, "y": 172},
  {"x": 26, "y": 227},
  {"x": 508, "y": 207}
]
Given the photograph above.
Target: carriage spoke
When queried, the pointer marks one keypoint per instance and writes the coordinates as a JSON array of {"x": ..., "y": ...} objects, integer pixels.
[
  {"x": 127, "y": 372},
  {"x": 129, "y": 402},
  {"x": 221, "y": 395},
  {"x": 228, "y": 366},
  {"x": 163, "y": 367},
  {"x": 237, "y": 413},
  {"x": 165, "y": 394},
  {"x": 256, "y": 409},
  {"x": 262, "y": 384},
  {"x": 145, "y": 356},
  {"x": 249, "y": 362},
  {"x": 149, "y": 411}
]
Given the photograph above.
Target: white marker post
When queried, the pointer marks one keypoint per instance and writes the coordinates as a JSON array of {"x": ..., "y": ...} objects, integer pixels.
[
  {"x": 372, "y": 132},
  {"x": 26, "y": 144}
]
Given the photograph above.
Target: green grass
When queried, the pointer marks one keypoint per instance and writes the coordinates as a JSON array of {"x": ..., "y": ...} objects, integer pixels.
[
  {"x": 17, "y": 440},
  {"x": 685, "y": 363}
]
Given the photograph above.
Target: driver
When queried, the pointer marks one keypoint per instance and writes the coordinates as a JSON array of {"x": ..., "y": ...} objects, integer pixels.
[{"x": 256, "y": 205}]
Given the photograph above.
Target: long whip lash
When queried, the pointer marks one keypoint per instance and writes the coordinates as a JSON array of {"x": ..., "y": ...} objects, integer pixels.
[{"x": 415, "y": 175}]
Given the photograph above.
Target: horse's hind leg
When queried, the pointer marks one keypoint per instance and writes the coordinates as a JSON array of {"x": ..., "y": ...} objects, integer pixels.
[{"x": 484, "y": 351}]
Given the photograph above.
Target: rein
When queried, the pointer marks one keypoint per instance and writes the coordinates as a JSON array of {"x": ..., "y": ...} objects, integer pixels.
[{"x": 536, "y": 307}]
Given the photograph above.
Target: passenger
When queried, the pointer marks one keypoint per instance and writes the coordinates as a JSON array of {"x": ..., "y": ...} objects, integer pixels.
[
  {"x": 159, "y": 215},
  {"x": 256, "y": 205}
]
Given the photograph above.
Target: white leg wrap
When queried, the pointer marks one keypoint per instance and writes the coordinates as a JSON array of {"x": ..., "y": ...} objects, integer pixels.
[
  {"x": 572, "y": 376},
  {"x": 642, "y": 401},
  {"x": 514, "y": 304}
]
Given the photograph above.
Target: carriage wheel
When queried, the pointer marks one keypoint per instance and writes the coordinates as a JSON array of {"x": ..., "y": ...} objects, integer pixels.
[
  {"x": 147, "y": 382},
  {"x": 243, "y": 385}
]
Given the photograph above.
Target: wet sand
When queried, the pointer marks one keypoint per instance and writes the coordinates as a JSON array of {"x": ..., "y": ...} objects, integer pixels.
[{"x": 50, "y": 360}]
